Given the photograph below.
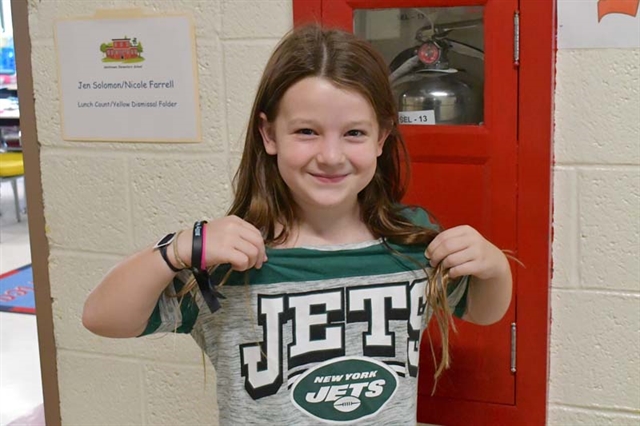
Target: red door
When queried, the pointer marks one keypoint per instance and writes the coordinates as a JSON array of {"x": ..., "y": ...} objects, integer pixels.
[
  {"x": 494, "y": 174},
  {"x": 463, "y": 174}
]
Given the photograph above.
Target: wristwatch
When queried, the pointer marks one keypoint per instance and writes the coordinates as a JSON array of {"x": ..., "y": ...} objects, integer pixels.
[
  {"x": 162, "y": 247},
  {"x": 165, "y": 241}
]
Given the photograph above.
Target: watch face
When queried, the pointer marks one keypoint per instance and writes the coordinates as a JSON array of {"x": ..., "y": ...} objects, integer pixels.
[{"x": 165, "y": 241}]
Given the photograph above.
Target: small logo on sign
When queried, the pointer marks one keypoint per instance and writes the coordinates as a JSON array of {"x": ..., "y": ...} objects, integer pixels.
[
  {"x": 344, "y": 389},
  {"x": 125, "y": 50}
]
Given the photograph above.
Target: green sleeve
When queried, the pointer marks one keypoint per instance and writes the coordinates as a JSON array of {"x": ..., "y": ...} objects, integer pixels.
[
  {"x": 457, "y": 296},
  {"x": 419, "y": 216}
]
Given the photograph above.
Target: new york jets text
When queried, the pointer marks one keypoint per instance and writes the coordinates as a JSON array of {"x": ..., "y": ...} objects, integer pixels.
[{"x": 319, "y": 321}]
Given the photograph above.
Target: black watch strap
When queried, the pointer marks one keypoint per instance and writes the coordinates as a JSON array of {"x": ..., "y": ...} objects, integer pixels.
[
  {"x": 165, "y": 257},
  {"x": 165, "y": 241}
]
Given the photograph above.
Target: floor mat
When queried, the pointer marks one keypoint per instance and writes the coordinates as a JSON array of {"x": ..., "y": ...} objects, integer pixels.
[{"x": 16, "y": 291}]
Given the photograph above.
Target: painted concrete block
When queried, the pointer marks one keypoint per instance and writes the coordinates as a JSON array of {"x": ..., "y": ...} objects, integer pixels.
[
  {"x": 45, "y": 86},
  {"x": 594, "y": 349},
  {"x": 609, "y": 204},
  {"x": 99, "y": 390},
  {"x": 42, "y": 14},
  {"x": 562, "y": 416},
  {"x": 597, "y": 120},
  {"x": 565, "y": 228},
  {"x": 176, "y": 394},
  {"x": 77, "y": 217},
  {"x": 256, "y": 19}
]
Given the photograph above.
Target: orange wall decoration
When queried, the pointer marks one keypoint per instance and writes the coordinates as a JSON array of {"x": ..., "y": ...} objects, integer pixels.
[{"x": 627, "y": 7}]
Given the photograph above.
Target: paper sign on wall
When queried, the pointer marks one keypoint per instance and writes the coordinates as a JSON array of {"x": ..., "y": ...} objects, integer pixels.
[{"x": 125, "y": 76}]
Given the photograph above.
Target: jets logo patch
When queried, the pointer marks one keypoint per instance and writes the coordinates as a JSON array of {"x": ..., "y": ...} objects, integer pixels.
[{"x": 344, "y": 389}]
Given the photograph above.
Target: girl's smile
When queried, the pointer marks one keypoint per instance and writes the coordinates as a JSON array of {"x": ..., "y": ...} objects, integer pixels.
[{"x": 324, "y": 178}]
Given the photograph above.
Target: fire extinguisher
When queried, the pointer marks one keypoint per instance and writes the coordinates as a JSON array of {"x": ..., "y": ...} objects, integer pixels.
[{"x": 428, "y": 90}]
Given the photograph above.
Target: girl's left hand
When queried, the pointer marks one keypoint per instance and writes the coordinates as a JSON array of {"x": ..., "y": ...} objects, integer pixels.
[{"x": 464, "y": 251}]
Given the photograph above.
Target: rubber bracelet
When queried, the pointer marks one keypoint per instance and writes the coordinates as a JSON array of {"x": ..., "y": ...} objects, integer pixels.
[
  {"x": 203, "y": 263},
  {"x": 176, "y": 254},
  {"x": 199, "y": 268},
  {"x": 197, "y": 245},
  {"x": 163, "y": 253}
]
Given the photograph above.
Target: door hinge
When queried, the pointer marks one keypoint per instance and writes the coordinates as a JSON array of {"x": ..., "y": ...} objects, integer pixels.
[
  {"x": 516, "y": 38},
  {"x": 513, "y": 347}
]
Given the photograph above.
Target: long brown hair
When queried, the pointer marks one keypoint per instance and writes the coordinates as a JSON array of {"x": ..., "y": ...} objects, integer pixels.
[{"x": 262, "y": 197}]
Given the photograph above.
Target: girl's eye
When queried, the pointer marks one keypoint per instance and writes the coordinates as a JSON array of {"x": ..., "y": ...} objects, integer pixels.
[
  {"x": 355, "y": 133},
  {"x": 307, "y": 132}
]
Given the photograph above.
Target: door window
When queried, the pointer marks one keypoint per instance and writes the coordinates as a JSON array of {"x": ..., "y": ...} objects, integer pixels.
[{"x": 436, "y": 60}]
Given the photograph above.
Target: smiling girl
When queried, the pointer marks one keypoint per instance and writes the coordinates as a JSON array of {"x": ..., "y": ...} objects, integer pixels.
[{"x": 326, "y": 285}]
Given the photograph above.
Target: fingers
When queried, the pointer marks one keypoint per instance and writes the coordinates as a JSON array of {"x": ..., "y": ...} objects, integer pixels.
[
  {"x": 251, "y": 233},
  {"x": 254, "y": 237},
  {"x": 253, "y": 250},
  {"x": 235, "y": 241},
  {"x": 465, "y": 261},
  {"x": 451, "y": 241},
  {"x": 437, "y": 251},
  {"x": 467, "y": 268},
  {"x": 458, "y": 258},
  {"x": 242, "y": 259},
  {"x": 245, "y": 225},
  {"x": 457, "y": 231},
  {"x": 464, "y": 251}
]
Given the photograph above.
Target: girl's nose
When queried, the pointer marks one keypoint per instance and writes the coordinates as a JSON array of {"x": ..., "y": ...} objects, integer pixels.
[{"x": 331, "y": 150}]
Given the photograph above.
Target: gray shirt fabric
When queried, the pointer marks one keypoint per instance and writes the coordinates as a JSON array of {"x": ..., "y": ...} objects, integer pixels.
[{"x": 318, "y": 335}]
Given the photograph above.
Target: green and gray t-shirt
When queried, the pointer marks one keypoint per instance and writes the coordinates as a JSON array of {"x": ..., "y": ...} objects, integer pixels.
[{"x": 318, "y": 335}]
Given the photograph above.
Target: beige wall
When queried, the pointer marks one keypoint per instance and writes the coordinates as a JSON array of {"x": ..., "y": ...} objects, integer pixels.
[
  {"x": 105, "y": 200},
  {"x": 595, "y": 366}
]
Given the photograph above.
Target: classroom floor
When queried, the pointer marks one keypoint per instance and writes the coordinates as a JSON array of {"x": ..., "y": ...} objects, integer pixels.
[{"x": 20, "y": 382}]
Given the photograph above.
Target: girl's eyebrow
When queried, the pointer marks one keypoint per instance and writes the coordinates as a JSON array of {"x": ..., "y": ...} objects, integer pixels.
[
  {"x": 301, "y": 121},
  {"x": 311, "y": 122},
  {"x": 359, "y": 123}
]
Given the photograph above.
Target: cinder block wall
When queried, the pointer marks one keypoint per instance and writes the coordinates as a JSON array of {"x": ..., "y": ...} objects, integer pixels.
[
  {"x": 595, "y": 367},
  {"x": 103, "y": 200}
]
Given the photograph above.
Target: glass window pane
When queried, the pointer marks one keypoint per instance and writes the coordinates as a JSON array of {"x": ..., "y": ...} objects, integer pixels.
[{"x": 436, "y": 60}]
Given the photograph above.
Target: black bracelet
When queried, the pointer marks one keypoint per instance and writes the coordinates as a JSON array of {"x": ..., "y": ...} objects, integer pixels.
[
  {"x": 163, "y": 253},
  {"x": 200, "y": 273},
  {"x": 197, "y": 245}
]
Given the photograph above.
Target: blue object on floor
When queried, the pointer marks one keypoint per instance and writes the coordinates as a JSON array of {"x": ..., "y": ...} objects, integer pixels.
[{"x": 16, "y": 291}]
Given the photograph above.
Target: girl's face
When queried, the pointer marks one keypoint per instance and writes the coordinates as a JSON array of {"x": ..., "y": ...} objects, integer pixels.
[{"x": 327, "y": 140}]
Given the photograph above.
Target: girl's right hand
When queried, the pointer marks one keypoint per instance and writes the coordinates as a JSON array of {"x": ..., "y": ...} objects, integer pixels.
[{"x": 235, "y": 241}]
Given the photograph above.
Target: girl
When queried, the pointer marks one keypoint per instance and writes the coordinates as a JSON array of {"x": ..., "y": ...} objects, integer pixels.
[{"x": 326, "y": 286}]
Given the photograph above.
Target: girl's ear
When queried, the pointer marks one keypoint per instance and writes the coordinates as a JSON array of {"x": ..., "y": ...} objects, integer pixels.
[
  {"x": 267, "y": 133},
  {"x": 384, "y": 134}
]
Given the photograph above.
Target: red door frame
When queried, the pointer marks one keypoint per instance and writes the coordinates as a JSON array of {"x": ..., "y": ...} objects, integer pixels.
[{"x": 534, "y": 214}]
